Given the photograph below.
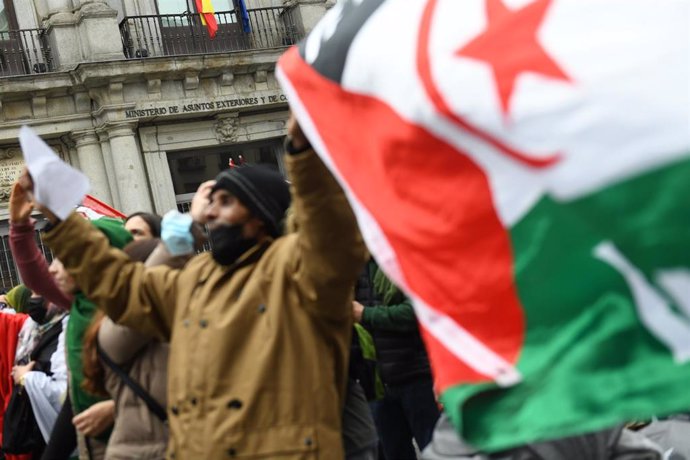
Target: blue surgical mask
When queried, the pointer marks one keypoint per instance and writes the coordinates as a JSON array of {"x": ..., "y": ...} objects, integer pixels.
[{"x": 176, "y": 233}]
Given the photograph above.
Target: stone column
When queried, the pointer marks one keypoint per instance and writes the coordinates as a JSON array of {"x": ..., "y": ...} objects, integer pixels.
[
  {"x": 59, "y": 6},
  {"x": 70, "y": 155},
  {"x": 130, "y": 176},
  {"x": 62, "y": 34},
  {"x": 161, "y": 181},
  {"x": 157, "y": 166},
  {"x": 110, "y": 168},
  {"x": 307, "y": 13},
  {"x": 91, "y": 164},
  {"x": 99, "y": 31}
]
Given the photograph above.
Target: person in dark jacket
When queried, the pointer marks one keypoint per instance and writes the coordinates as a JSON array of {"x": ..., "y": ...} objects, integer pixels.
[
  {"x": 42, "y": 373},
  {"x": 408, "y": 409}
]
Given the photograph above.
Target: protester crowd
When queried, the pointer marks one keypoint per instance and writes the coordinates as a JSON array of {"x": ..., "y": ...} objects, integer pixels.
[{"x": 286, "y": 340}]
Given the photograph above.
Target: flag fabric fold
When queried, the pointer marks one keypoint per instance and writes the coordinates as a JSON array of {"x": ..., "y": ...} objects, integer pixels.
[
  {"x": 244, "y": 17},
  {"x": 525, "y": 183},
  {"x": 92, "y": 208},
  {"x": 207, "y": 16}
]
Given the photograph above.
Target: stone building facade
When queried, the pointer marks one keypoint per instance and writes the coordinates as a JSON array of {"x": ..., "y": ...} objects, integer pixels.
[{"x": 136, "y": 95}]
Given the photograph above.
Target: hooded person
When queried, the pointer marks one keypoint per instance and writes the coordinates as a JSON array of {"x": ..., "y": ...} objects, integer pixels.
[
  {"x": 81, "y": 315},
  {"x": 16, "y": 331},
  {"x": 260, "y": 327},
  {"x": 264, "y": 192},
  {"x": 21, "y": 301},
  {"x": 18, "y": 297},
  {"x": 58, "y": 288},
  {"x": 11, "y": 326},
  {"x": 43, "y": 373}
]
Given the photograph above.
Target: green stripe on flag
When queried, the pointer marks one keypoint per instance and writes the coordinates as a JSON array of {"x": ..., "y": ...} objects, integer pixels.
[{"x": 588, "y": 360}]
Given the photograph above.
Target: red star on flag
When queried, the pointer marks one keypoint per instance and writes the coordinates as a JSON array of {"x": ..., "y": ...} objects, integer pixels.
[{"x": 510, "y": 46}]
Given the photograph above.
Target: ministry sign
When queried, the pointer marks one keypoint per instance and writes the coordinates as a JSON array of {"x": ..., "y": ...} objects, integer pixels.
[{"x": 205, "y": 106}]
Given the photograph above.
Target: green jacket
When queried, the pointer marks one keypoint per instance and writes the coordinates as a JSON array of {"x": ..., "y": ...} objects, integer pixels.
[{"x": 396, "y": 313}]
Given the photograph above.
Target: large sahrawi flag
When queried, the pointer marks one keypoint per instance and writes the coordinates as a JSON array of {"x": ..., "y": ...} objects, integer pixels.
[{"x": 522, "y": 169}]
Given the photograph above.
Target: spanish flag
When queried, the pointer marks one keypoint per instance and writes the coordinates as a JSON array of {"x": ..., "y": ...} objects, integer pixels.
[{"x": 208, "y": 18}]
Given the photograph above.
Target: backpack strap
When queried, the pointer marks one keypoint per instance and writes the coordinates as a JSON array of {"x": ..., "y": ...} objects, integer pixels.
[
  {"x": 47, "y": 338},
  {"x": 151, "y": 403}
]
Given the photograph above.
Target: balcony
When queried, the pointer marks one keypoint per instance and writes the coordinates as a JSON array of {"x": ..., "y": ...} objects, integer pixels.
[
  {"x": 23, "y": 52},
  {"x": 183, "y": 34}
]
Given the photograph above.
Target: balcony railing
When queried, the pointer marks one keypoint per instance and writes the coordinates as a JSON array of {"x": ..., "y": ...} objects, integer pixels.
[
  {"x": 23, "y": 52},
  {"x": 174, "y": 35}
]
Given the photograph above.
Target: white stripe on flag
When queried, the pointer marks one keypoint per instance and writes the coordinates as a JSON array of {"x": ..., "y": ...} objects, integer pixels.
[
  {"x": 655, "y": 313},
  {"x": 88, "y": 213},
  {"x": 466, "y": 346},
  {"x": 456, "y": 339},
  {"x": 626, "y": 111}
]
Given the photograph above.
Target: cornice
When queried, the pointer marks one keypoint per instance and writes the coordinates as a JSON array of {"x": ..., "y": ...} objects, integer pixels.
[
  {"x": 165, "y": 67},
  {"x": 95, "y": 74}
]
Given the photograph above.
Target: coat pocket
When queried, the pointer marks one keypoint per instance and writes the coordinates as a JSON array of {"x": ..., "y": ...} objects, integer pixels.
[{"x": 293, "y": 441}]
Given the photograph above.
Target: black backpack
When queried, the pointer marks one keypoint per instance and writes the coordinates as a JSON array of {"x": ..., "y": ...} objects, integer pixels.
[{"x": 20, "y": 432}]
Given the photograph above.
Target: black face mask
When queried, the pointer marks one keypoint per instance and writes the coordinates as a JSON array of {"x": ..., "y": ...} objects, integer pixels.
[
  {"x": 36, "y": 309},
  {"x": 228, "y": 244}
]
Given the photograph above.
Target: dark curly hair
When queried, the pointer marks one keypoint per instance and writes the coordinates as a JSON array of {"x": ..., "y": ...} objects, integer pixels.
[{"x": 152, "y": 220}]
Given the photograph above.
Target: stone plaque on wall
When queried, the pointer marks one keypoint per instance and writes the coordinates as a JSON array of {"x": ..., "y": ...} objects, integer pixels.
[{"x": 11, "y": 164}]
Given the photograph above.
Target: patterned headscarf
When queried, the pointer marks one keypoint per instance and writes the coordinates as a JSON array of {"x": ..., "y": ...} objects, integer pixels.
[{"x": 17, "y": 297}]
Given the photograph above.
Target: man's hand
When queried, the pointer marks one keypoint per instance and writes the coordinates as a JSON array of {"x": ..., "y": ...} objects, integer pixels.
[
  {"x": 357, "y": 311},
  {"x": 23, "y": 193},
  {"x": 21, "y": 204},
  {"x": 96, "y": 419},
  {"x": 200, "y": 201},
  {"x": 294, "y": 132},
  {"x": 19, "y": 371}
]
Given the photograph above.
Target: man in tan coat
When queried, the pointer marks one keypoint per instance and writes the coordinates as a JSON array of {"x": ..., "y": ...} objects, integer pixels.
[{"x": 259, "y": 335}]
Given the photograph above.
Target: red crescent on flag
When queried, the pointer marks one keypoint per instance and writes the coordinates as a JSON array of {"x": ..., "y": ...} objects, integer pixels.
[{"x": 439, "y": 102}]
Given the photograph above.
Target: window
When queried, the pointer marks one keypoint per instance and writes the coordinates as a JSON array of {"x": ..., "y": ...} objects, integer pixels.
[
  {"x": 4, "y": 19},
  {"x": 190, "y": 168},
  {"x": 182, "y": 30},
  {"x": 173, "y": 6},
  {"x": 8, "y": 20},
  {"x": 180, "y": 6},
  {"x": 13, "y": 60},
  {"x": 178, "y": 12}
]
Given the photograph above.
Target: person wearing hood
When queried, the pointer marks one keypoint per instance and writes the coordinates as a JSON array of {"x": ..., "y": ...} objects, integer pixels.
[
  {"x": 92, "y": 415},
  {"x": 41, "y": 368},
  {"x": 17, "y": 297},
  {"x": 13, "y": 326}
]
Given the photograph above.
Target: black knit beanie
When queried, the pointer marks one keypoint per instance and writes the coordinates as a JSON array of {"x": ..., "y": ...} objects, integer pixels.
[{"x": 262, "y": 190}]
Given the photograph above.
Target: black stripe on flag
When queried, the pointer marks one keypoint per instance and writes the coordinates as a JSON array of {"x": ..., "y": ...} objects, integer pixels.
[{"x": 334, "y": 40}]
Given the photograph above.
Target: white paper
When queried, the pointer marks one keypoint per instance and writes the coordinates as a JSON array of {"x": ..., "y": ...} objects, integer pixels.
[{"x": 57, "y": 185}]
